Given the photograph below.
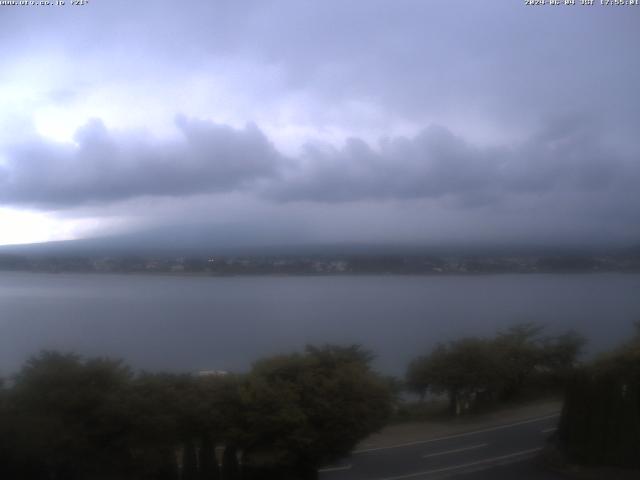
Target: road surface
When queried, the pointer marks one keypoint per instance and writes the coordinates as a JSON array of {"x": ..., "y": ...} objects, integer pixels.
[{"x": 497, "y": 452}]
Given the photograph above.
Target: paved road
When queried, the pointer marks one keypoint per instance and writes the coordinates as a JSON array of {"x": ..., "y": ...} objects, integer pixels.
[{"x": 499, "y": 452}]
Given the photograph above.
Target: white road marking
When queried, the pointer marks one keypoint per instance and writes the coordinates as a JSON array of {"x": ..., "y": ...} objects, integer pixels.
[
  {"x": 459, "y": 435},
  {"x": 463, "y": 449},
  {"x": 549, "y": 430},
  {"x": 335, "y": 469},
  {"x": 465, "y": 465}
]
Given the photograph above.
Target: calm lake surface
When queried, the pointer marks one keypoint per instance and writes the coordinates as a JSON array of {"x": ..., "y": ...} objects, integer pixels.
[{"x": 195, "y": 323}]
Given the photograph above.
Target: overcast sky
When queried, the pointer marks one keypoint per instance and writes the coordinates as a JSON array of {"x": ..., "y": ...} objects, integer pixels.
[{"x": 322, "y": 121}]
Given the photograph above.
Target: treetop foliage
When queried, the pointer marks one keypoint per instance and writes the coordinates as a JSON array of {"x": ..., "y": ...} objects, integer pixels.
[
  {"x": 472, "y": 370},
  {"x": 70, "y": 418}
]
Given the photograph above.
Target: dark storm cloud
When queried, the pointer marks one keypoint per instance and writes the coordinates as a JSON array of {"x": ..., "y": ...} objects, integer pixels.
[
  {"x": 537, "y": 107},
  {"x": 432, "y": 164},
  {"x": 567, "y": 157},
  {"x": 105, "y": 166}
]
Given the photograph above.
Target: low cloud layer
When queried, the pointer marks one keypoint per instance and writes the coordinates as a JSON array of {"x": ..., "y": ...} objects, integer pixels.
[
  {"x": 105, "y": 166},
  {"x": 566, "y": 165},
  {"x": 436, "y": 163}
]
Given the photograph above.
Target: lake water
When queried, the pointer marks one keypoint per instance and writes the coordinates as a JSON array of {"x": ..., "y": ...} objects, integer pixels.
[{"x": 194, "y": 323}]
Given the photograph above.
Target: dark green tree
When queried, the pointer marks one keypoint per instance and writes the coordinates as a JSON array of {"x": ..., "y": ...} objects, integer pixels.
[
  {"x": 69, "y": 417},
  {"x": 473, "y": 370},
  {"x": 519, "y": 352},
  {"x": 305, "y": 410},
  {"x": 600, "y": 422},
  {"x": 466, "y": 370}
]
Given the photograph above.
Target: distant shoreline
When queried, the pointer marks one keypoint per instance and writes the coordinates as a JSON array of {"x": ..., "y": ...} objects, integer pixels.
[
  {"x": 319, "y": 275},
  {"x": 323, "y": 265}
]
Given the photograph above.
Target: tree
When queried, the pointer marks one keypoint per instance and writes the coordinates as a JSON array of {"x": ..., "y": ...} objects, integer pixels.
[
  {"x": 305, "y": 410},
  {"x": 466, "y": 370},
  {"x": 67, "y": 418},
  {"x": 520, "y": 353},
  {"x": 472, "y": 370},
  {"x": 600, "y": 422},
  {"x": 184, "y": 416}
]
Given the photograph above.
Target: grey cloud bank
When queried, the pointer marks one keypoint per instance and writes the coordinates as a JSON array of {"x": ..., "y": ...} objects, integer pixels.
[
  {"x": 104, "y": 166},
  {"x": 566, "y": 157},
  {"x": 474, "y": 118},
  {"x": 437, "y": 163}
]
